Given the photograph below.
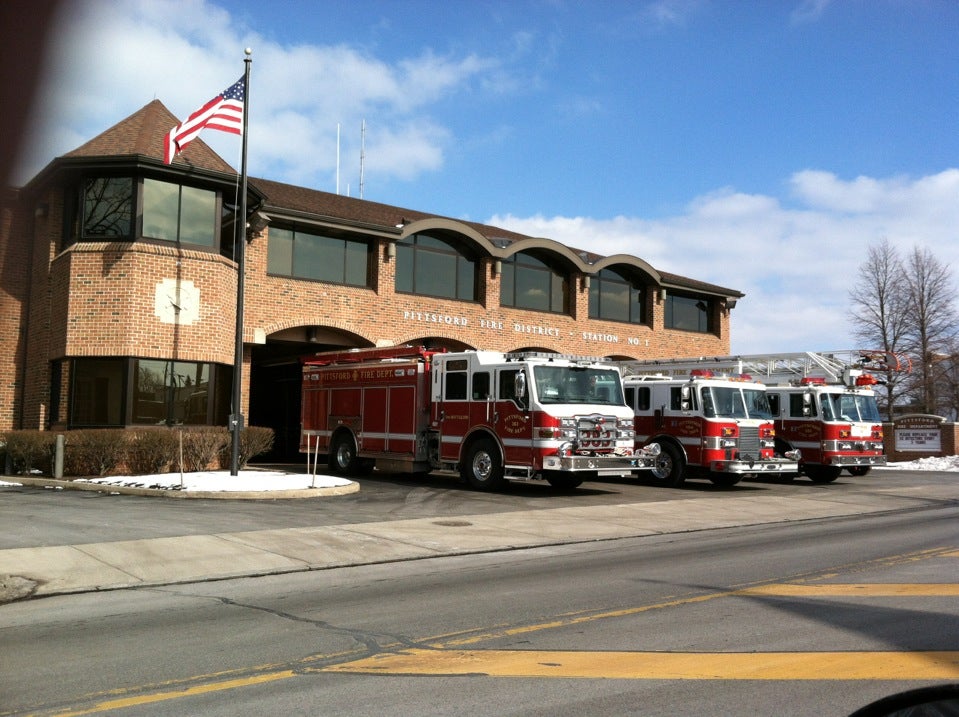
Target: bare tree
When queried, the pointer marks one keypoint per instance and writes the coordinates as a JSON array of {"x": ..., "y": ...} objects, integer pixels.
[
  {"x": 931, "y": 322},
  {"x": 880, "y": 312}
]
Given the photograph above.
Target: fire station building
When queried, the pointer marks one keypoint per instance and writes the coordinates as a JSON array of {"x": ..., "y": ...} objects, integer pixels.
[{"x": 118, "y": 289}]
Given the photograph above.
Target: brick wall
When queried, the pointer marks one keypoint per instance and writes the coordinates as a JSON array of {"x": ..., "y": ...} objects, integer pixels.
[{"x": 99, "y": 299}]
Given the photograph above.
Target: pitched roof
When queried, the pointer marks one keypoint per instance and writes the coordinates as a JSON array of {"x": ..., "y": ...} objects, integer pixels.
[{"x": 142, "y": 134}]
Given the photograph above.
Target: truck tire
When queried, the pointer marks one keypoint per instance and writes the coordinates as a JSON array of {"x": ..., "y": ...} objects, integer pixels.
[
  {"x": 670, "y": 467},
  {"x": 482, "y": 467},
  {"x": 561, "y": 481},
  {"x": 858, "y": 470},
  {"x": 342, "y": 459},
  {"x": 725, "y": 480},
  {"x": 822, "y": 474}
]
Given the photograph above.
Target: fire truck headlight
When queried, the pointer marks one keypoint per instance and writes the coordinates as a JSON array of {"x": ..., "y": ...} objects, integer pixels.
[
  {"x": 727, "y": 442},
  {"x": 793, "y": 455},
  {"x": 767, "y": 443},
  {"x": 653, "y": 449},
  {"x": 845, "y": 446}
]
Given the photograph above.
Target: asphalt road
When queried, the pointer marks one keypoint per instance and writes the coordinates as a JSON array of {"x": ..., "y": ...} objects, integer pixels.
[
  {"x": 811, "y": 618},
  {"x": 34, "y": 517}
]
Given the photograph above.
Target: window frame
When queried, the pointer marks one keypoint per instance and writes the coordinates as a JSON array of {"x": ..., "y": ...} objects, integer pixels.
[
  {"x": 704, "y": 322},
  {"x": 412, "y": 270},
  {"x": 289, "y": 255},
  {"x": 635, "y": 300}
]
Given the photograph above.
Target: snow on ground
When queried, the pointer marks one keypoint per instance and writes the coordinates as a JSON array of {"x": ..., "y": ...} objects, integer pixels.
[
  {"x": 265, "y": 480},
  {"x": 218, "y": 481}
]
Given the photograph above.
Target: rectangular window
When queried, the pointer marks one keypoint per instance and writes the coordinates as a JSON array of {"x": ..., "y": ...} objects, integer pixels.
[
  {"x": 175, "y": 213},
  {"x": 481, "y": 386},
  {"x": 159, "y": 391},
  {"x": 455, "y": 387},
  {"x": 107, "y": 208},
  {"x": 321, "y": 258},
  {"x": 800, "y": 407},
  {"x": 687, "y": 313},
  {"x": 97, "y": 395}
]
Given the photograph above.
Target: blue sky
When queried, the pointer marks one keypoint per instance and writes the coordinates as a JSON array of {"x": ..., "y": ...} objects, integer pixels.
[{"x": 758, "y": 145}]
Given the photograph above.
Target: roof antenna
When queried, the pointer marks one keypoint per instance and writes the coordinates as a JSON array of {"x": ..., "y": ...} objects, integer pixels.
[
  {"x": 362, "y": 153},
  {"x": 337, "y": 157}
]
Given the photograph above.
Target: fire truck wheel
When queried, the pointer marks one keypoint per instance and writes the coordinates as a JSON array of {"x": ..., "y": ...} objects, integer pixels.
[
  {"x": 482, "y": 467},
  {"x": 858, "y": 470},
  {"x": 564, "y": 482},
  {"x": 823, "y": 474},
  {"x": 670, "y": 466},
  {"x": 342, "y": 457},
  {"x": 725, "y": 480}
]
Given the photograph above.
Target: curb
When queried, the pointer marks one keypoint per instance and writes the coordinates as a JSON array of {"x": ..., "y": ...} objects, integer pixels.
[{"x": 324, "y": 492}]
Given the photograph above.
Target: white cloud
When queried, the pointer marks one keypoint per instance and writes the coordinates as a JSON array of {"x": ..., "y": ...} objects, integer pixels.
[
  {"x": 795, "y": 264},
  {"x": 112, "y": 58}
]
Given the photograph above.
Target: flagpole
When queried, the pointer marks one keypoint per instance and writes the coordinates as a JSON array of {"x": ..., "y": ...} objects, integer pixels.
[{"x": 236, "y": 418}]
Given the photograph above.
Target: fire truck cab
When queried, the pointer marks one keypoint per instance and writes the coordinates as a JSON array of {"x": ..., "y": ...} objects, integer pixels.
[
  {"x": 486, "y": 416},
  {"x": 835, "y": 426}
]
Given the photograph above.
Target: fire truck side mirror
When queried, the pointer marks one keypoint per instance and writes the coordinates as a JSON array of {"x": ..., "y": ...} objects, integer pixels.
[
  {"x": 686, "y": 395},
  {"x": 807, "y": 404},
  {"x": 519, "y": 388}
]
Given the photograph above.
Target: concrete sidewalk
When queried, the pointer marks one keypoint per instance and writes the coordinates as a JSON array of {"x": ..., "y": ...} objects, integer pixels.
[{"x": 45, "y": 571}]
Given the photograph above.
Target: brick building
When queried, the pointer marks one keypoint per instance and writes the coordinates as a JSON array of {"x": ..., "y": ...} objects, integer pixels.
[{"x": 118, "y": 295}]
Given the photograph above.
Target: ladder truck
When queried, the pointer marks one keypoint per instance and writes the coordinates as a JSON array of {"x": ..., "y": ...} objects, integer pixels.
[
  {"x": 485, "y": 416},
  {"x": 708, "y": 424},
  {"x": 823, "y": 404}
]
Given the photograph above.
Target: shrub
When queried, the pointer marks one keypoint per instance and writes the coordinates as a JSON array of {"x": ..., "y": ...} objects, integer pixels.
[
  {"x": 202, "y": 446},
  {"x": 95, "y": 452},
  {"x": 152, "y": 450},
  {"x": 30, "y": 450},
  {"x": 254, "y": 440}
]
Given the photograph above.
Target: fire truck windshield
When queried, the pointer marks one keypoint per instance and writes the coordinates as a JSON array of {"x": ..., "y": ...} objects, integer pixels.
[
  {"x": 735, "y": 402},
  {"x": 578, "y": 384},
  {"x": 850, "y": 407}
]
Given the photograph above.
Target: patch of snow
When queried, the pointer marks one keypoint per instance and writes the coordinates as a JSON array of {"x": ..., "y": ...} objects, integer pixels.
[
  {"x": 946, "y": 463},
  {"x": 219, "y": 481}
]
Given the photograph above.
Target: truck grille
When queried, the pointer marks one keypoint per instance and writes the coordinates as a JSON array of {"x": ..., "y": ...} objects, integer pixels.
[
  {"x": 749, "y": 442},
  {"x": 596, "y": 432}
]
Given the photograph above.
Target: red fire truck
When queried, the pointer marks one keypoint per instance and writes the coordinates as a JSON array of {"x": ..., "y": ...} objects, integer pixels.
[
  {"x": 486, "y": 416},
  {"x": 824, "y": 405},
  {"x": 708, "y": 425}
]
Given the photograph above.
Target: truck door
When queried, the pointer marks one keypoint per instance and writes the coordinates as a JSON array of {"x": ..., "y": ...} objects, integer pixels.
[{"x": 512, "y": 418}]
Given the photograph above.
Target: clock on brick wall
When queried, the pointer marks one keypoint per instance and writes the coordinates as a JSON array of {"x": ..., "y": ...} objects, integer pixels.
[{"x": 177, "y": 302}]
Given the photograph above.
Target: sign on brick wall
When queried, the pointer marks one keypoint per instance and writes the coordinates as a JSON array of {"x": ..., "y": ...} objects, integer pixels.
[{"x": 918, "y": 434}]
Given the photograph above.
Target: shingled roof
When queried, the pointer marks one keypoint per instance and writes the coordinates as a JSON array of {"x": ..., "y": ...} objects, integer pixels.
[{"x": 142, "y": 134}]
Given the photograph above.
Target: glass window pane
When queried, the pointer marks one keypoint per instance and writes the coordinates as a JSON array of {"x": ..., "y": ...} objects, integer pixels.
[
  {"x": 160, "y": 209},
  {"x": 532, "y": 289},
  {"x": 151, "y": 391},
  {"x": 280, "y": 252},
  {"x": 435, "y": 274},
  {"x": 308, "y": 256},
  {"x": 191, "y": 390},
  {"x": 197, "y": 216},
  {"x": 107, "y": 207},
  {"x": 466, "y": 280},
  {"x": 404, "y": 267},
  {"x": 508, "y": 284},
  {"x": 357, "y": 263},
  {"x": 96, "y": 398}
]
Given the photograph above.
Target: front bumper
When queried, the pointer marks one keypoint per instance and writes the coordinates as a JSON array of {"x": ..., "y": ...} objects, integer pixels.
[
  {"x": 857, "y": 461},
  {"x": 765, "y": 467},
  {"x": 600, "y": 465}
]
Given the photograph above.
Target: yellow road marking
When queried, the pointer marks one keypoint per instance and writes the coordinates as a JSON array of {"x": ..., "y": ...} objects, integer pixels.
[
  {"x": 123, "y": 702},
  {"x": 855, "y": 590},
  {"x": 664, "y": 665}
]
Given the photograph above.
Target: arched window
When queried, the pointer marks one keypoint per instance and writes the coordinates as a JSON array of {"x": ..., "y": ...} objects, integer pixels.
[
  {"x": 429, "y": 266},
  {"x": 615, "y": 298},
  {"x": 529, "y": 282}
]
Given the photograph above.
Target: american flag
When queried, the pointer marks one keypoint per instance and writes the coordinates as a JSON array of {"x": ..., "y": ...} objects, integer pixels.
[{"x": 224, "y": 112}]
